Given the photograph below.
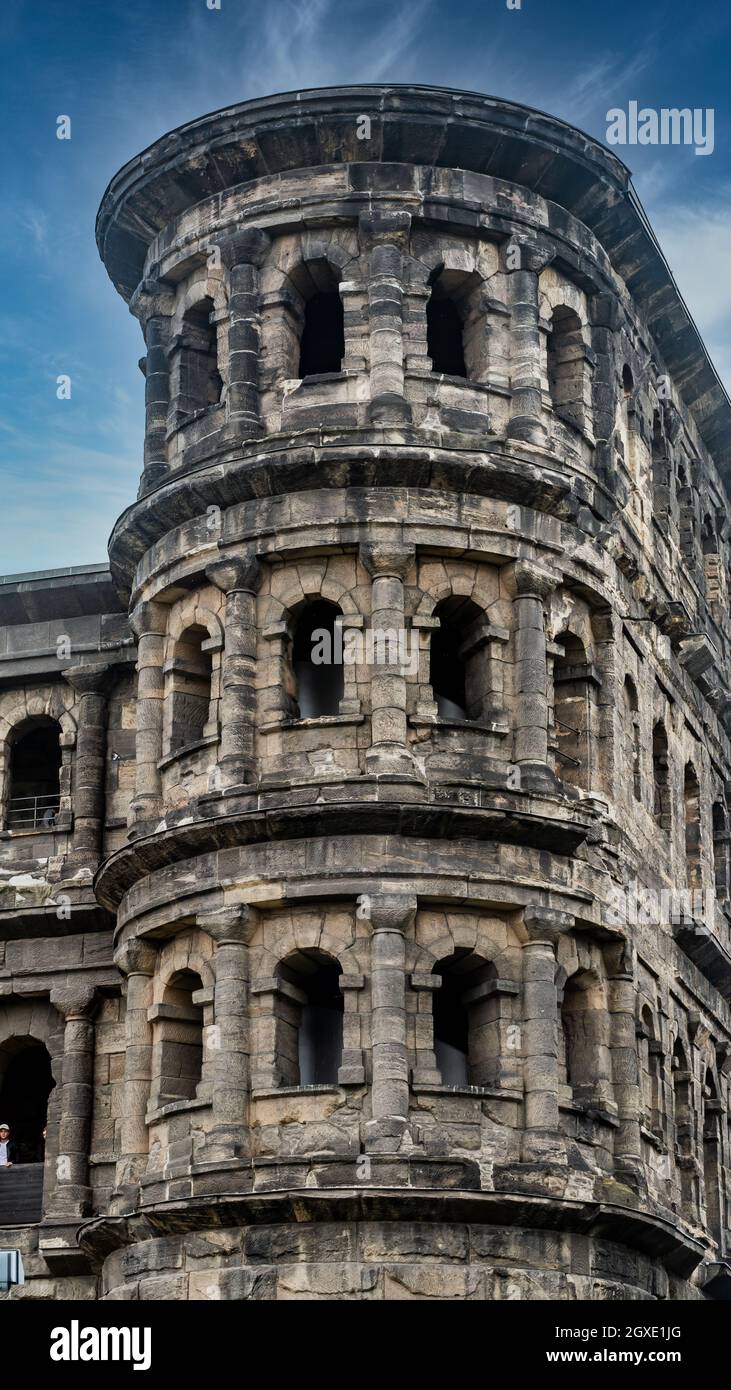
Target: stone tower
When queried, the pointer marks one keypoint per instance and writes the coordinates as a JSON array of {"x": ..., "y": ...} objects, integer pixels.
[{"x": 406, "y": 966}]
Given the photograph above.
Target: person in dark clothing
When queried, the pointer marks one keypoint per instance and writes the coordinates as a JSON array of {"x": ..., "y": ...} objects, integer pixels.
[{"x": 8, "y": 1150}]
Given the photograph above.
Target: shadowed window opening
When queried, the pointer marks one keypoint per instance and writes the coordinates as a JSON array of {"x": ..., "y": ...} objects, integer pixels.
[
  {"x": 322, "y": 344},
  {"x": 459, "y": 660},
  {"x": 632, "y": 734},
  {"x": 628, "y": 382},
  {"x": 566, "y": 362},
  {"x": 35, "y": 765},
  {"x": 192, "y": 676},
  {"x": 661, "y": 788},
  {"x": 465, "y": 1020},
  {"x": 571, "y": 711},
  {"x": 444, "y": 328},
  {"x": 181, "y": 1039},
  {"x": 319, "y": 681},
  {"x": 692, "y": 811},
  {"x": 711, "y": 1157},
  {"x": 26, "y": 1086},
  {"x": 201, "y": 383},
  {"x": 721, "y": 850},
  {"x": 311, "y": 1020}
]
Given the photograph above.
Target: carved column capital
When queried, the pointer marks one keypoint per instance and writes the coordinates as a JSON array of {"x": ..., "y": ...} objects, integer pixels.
[
  {"x": 89, "y": 680},
  {"x": 532, "y": 579},
  {"x": 229, "y": 925},
  {"x": 393, "y": 228},
  {"x": 136, "y": 957},
  {"x": 392, "y": 911},
  {"x": 240, "y": 572},
  {"x": 75, "y": 1001},
  {"x": 386, "y": 558},
  {"x": 152, "y": 299},
  {"x": 249, "y": 246},
  {"x": 149, "y": 617},
  {"x": 530, "y": 253},
  {"x": 545, "y": 925}
]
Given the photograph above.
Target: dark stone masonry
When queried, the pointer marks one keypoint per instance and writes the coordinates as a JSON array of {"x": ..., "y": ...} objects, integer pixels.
[{"x": 407, "y": 976}]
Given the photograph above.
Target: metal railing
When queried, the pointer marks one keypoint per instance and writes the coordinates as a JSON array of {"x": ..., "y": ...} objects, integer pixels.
[{"x": 33, "y": 812}]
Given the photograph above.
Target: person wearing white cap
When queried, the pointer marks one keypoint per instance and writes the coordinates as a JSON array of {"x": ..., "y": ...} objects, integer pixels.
[{"x": 7, "y": 1148}]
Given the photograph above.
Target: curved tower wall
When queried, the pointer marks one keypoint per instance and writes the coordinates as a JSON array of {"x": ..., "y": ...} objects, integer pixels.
[{"x": 549, "y": 509}]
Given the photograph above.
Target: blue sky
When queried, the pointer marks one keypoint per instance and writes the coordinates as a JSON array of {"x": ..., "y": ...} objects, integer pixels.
[{"x": 125, "y": 71}]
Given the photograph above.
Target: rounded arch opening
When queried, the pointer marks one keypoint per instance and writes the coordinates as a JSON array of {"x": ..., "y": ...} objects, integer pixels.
[
  {"x": 34, "y": 774},
  {"x": 317, "y": 660}
]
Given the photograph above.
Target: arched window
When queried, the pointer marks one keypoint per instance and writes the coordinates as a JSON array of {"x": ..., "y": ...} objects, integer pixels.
[
  {"x": 179, "y": 1040},
  {"x": 651, "y": 1073},
  {"x": 566, "y": 366},
  {"x": 34, "y": 782},
  {"x": 683, "y": 1124},
  {"x": 322, "y": 341},
  {"x": 317, "y": 660},
  {"x": 200, "y": 379},
  {"x": 709, "y": 538},
  {"x": 692, "y": 815},
  {"x": 661, "y": 787},
  {"x": 459, "y": 660},
  {"x": 466, "y": 1020},
  {"x": 25, "y": 1067},
  {"x": 309, "y": 1022},
  {"x": 572, "y": 705},
  {"x": 632, "y": 736},
  {"x": 444, "y": 330},
  {"x": 191, "y": 674},
  {"x": 711, "y": 1158},
  {"x": 584, "y": 1038},
  {"x": 721, "y": 849}
]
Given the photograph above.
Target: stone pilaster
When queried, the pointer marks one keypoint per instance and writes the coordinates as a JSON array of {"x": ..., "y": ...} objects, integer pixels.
[
  {"x": 152, "y": 303},
  {"x": 149, "y": 622},
  {"x": 137, "y": 960},
  {"x": 385, "y": 235},
  {"x": 72, "y": 1196},
  {"x": 231, "y": 929},
  {"x": 243, "y": 254},
  {"x": 238, "y": 577},
  {"x": 530, "y": 684},
  {"x": 524, "y": 260},
  {"x": 391, "y": 915},
  {"x": 91, "y": 684},
  {"x": 388, "y": 563},
  {"x": 625, "y": 1058},
  {"x": 543, "y": 927}
]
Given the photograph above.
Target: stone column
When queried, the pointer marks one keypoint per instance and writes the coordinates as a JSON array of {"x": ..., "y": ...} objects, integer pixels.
[
  {"x": 391, "y": 915},
  {"x": 530, "y": 685},
  {"x": 543, "y": 927},
  {"x": 387, "y": 563},
  {"x": 243, "y": 254},
  {"x": 148, "y": 622},
  {"x": 90, "y": 684},
  {"x": 231, "y": 929},
  {"x": 625, "y": 1057},
  {"x": 385, "y": 235},
  {"x": 136, "y": 960},
  {"x": 72, "y": 1196},
  {"x": 524, "y": 261},
  {"x": 153, "y": 303},
  {"x": 238, "y": 577}
]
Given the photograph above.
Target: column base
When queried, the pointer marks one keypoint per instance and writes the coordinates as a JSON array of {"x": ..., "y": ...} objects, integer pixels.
[
  {"x": 389, "y": 409},
  {"x": 536, "y": 777},
  {"x": 526, "y": 429},
  {"x": 544, "y": 1146},
  {"x": 384, "y": 1135},
  {"x": 389, "y": 760}
]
